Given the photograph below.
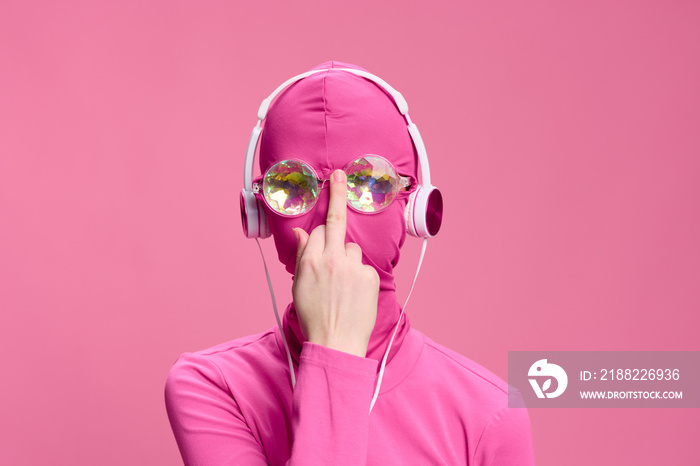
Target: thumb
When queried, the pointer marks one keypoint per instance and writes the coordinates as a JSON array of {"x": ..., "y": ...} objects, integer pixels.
[{"x": 302, "y": 239}]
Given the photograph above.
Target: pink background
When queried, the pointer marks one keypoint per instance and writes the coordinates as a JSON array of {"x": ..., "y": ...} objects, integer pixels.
[{"x": 564, "y": 136}]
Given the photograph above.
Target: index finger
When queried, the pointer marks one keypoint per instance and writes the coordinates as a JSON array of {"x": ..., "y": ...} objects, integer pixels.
[{"x": 337, "y": 212}]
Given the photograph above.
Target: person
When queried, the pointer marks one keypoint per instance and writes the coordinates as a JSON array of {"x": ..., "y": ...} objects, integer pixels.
[{"x": 301, "y": 393}]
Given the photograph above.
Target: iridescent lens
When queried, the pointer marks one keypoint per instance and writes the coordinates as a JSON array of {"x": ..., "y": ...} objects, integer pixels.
[
  {"x": 290, "y": 187},
  {"x": 372, "y": 183}
]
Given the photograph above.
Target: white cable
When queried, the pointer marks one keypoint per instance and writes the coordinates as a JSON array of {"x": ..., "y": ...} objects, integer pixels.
[
  {"x": 279, "y": 324},
  {"x": 386, "y": 354}
]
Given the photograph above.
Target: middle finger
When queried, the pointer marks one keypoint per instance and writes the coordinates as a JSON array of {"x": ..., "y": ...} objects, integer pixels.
[{"x": 337, "y": 213}]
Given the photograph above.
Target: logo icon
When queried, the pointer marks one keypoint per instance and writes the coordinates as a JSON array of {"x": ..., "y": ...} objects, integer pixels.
[{"x": 544, "y": 369}]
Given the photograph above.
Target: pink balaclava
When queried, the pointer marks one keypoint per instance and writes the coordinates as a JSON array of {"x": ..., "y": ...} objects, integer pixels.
[{"x": 327, "y": 120}]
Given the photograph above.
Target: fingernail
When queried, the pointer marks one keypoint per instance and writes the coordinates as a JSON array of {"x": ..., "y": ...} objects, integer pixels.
[
  {"x": 338, "y": 176},
  {"x": 296, "y": 234}
]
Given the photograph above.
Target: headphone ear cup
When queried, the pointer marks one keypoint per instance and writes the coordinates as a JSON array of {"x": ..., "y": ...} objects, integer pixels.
[
  {"x": 423, "y": 212},
  {"x": 253, "y": 216},
  {"x": 264, "y": 226}
]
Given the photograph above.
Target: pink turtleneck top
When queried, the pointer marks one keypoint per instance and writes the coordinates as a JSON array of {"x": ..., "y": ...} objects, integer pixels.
[{"x": 233, "y": 404}]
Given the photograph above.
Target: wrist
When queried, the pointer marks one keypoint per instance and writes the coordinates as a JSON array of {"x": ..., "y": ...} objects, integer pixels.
[{"x": 351, "y": 347}]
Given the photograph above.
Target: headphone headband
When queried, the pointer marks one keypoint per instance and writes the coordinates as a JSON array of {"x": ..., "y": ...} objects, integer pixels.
[
  {"x": 396, "y": 95},
  {"x": 398, "y": 98}
]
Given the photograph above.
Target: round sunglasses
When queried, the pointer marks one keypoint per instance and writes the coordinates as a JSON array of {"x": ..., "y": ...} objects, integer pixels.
[{"x": 291, "y": 187}]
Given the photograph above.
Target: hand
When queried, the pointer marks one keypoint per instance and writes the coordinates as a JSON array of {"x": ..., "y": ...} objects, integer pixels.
[{"x": 334, "y": 293}]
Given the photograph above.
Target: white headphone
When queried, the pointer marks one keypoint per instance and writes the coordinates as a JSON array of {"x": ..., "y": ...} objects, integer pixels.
[{"x": 423, "y": 212}]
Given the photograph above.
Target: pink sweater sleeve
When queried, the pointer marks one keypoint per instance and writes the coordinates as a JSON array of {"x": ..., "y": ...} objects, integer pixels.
[
  {"x": 507, "y": 439},
  {"x": 330, "y": 411},
  {"x": 331, "y": 407}
]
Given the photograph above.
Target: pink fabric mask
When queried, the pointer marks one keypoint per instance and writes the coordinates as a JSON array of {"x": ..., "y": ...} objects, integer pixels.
[{"x": 327, "y": 120}]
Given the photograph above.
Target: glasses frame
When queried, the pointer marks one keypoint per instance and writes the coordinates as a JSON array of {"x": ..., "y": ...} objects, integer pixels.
[{"x": 403, "y": 182}]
